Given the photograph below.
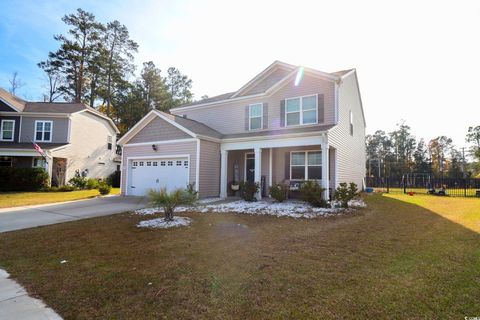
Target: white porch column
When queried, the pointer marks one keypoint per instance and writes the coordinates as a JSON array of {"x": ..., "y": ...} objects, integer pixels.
[
  {"x": 223, "y": 173},
  {"x": 325, "y": 170},
  {"x": 49, "y": 168},
  {"x": 270, "y": 167},
  {"x": 258, "y": 171}
]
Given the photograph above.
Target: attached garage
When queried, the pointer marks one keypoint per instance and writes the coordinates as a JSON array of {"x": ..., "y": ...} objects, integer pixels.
[
  {"x": 165, "y": 172},
  {"x": 163, "y": 151}
]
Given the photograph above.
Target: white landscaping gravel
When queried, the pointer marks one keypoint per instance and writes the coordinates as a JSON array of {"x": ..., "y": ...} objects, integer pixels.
[
  {"x": 161, "y": 223},
  {"x": 291, "y": 208}
]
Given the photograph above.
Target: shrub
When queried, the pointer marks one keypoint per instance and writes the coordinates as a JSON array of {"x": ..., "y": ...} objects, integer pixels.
[
  {"x": 78, "y": 182},
  {"x": 66, "y": 188},
  {"x": 312, "y": 192},
  {"x": 170, "y": 200},
  {"x": 345, "y": 193},
  {"x": 279, "y": 192},
  {"x": 23, "y": 179},
  {"x": 114, "y": 179},
  {"x": 248, "y": 190},
  {"x": 92, "y": 184},
  {"x": 104, "y": 188}
]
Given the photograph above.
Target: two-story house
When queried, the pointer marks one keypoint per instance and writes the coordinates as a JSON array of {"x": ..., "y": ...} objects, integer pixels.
[
  {"x": 74, "y": 137},
  {"x": 287, "y": 125}
]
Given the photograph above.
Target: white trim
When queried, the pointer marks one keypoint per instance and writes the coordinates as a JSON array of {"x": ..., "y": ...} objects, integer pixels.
[
  {"x": 122, "y": 191},
  {"x": 276, "y": 137},
  {"x": 245, "y": 165},
  {"x": 197, "y": 168},
  {"x": 43, "y": 130},
  {"x": 13, "y": 130},
  {"x": 275, "y": 143},
  {"x": 128, "y": 171},
  {"x": 60, "y": 147},
  {"x": 10, "y": 105},
  {"x": 250, "y": 116},
  {"x": 336, "y": 105},
  {"x": 258, "y": 171},
  {"x": 223, "y": 173},
  {"x": 18, "y": 153},
  {"x": 36, "y": 114},
  {"x": 159, "y": 142},
  {"x": 305, "y": 165},
  {"x": 20, "y": 128},
  {"x": 301, "y": 111},
  {"x": 270, "y": 167},
  {"x": 69, "y": 129}
]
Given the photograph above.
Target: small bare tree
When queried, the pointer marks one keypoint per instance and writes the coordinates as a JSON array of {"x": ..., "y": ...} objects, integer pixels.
[{"x": 15, "y": 83}]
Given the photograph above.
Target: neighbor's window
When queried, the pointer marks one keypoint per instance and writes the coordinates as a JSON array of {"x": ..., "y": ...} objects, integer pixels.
[
  {"x": 109, "y": 142},
  {"x": 306, "y": 165},
  {"x": 351, "y": 123},
  {"x": 7, "y": 128},
  {"x": 302, "y": 110},
  {"x": 5, "y": 161},
  {"x": 38, "y": 163},
  {"x": 43, "y": 131},
  {"x": 255, "y": 116}
]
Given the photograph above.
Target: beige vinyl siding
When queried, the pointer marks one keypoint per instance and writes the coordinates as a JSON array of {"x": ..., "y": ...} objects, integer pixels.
[
  {"x": 168, "y": 149},
  {"x": 209, "y": 169},
  {"x": 59, "y": 134},
  {"x": 229, "y": 118},
  {"x": 88, "y": 148},
  {"x": 351, "y": 155},
  {"x": 159, "y": 130}
]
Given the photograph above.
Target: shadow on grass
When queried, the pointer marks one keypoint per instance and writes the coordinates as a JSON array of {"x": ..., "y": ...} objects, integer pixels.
[{"x": 394, "y": 259}]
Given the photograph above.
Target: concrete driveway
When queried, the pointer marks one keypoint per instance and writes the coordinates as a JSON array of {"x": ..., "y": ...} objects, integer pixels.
[{"x": 34, "y": 216}]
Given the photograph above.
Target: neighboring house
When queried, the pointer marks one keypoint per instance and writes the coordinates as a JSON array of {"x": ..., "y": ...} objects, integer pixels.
[
  {"x": 287, "y": 125},
  {"x": 75, "y": 138}
]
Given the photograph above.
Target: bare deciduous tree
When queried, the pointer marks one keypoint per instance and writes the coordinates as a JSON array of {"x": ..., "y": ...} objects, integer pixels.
[{"x": 15, "y": 83}]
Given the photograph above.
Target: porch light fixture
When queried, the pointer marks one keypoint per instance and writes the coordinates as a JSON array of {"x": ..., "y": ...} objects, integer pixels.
[{"x": 154, "y": 147}]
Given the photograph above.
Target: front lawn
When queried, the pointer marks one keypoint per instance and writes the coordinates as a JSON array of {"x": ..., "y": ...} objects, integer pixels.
[
  {"x": 15, "y": 199},
  {"x": 402, "y": 257}
]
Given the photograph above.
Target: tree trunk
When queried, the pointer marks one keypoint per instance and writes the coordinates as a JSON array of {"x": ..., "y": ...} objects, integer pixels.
[{"x": 168, "y": 214}]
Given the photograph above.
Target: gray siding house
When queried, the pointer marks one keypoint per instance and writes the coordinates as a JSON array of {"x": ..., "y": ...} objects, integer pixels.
[
  {"x": 75, "y": 138},
  {"x": 287, "y": 125}
]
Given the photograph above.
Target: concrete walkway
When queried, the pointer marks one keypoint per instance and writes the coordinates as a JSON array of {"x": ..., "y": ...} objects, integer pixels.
[
  {"x": 16, "y": 304},
  {"x": 33, "y": 216}
]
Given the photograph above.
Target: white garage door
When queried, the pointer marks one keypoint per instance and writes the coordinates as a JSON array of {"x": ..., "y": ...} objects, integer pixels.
[{"x": 146, "y": 174}]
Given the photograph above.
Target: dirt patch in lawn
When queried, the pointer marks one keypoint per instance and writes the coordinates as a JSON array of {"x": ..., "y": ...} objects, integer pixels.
[{"x": 394, "y": 259}]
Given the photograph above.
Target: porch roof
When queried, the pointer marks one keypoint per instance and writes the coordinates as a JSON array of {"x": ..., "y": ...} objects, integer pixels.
[{"x": 287, "y": 130}]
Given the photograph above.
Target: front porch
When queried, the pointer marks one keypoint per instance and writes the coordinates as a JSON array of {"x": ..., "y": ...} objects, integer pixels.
[{"x": 279, "y": 161}]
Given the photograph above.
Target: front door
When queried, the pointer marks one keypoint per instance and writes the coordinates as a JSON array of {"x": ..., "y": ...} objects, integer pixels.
[{"x": 250, "y": 167}]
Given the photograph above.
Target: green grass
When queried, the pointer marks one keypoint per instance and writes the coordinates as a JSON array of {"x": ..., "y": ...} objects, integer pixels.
[
  {"x": 404, "y": 257},
  {"x": 15, "y": 199}
]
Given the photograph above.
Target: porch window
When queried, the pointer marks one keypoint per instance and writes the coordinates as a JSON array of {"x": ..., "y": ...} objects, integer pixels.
[
  {"x": 43, "y": 131},
  {"x": 302, "y": 110},
  {"x": 7, "y": 129},
  {"x": 255, "y": 116},
  {"x": 306, "y": 165},
  {"x": 5, "y": 161},
  {"x": 38, "y": 163}
]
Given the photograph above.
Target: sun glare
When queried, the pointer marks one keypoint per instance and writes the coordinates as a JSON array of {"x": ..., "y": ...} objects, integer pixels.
[{"x": 299, "y": 76}]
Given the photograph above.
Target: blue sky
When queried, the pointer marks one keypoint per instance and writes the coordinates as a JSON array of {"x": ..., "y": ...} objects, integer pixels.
[{"x": 416, "y": 60}]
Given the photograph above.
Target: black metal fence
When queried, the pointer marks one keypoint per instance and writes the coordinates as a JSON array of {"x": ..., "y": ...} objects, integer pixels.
[{"x": 426, "y": 184}]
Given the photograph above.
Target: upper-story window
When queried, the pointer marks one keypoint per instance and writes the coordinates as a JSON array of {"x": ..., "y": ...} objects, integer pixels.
[
  {"x": 255, "y": 115},
  {"x": 43, "y": 131},
  {"x": 351, "y": 123},
  {"x": 301, "y": 110},
  {"x": 7, "y": 129},
  {"x": 109, "y": 142}
]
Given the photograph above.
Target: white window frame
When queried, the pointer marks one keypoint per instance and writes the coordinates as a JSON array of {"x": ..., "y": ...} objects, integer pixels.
[
  {"x": 13, "y": 129},
  {"x": 250, "y": 116},
  {"x": 301, "y": 111},
  {"x": 43, "y": 131},
  {"x": 39, "y": 158},
  {"x": 305, "y": 165}
]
